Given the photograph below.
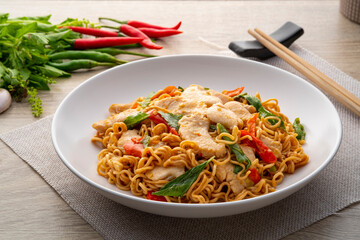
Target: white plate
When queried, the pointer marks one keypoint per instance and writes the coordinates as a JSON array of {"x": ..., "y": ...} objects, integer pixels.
[{"x": 89, "y": 102}]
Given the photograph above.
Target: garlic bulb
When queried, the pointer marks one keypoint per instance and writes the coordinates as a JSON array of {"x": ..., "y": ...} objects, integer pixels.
[{"x": 5, "y": 100}]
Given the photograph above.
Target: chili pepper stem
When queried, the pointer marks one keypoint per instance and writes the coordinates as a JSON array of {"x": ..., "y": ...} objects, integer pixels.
[
  {"x": 111, "y": 27},
  {"x": 112, "y": 19}
]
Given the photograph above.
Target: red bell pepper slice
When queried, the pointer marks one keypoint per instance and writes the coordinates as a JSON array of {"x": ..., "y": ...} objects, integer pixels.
[
  {"x": 150, "y": 196},
  {"x": 254, "y": 175},
  {"x": 133, "y": 149},
  {"x": 251, "y": 124},
  {"x": 157, "y": 119},
  {"x": 234, "y": 92},
  {"x": 261, "y": 149}
]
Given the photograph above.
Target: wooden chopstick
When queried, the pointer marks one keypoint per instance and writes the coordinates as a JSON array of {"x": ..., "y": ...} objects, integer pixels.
[{"x": 309, "y": 71}]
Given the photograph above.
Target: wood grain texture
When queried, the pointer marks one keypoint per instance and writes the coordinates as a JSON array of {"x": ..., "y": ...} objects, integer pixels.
[{"x": 30, "y": 209}]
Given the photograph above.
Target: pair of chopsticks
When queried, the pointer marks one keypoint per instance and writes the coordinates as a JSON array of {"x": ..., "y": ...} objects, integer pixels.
[{"x": 320, "y": 79}]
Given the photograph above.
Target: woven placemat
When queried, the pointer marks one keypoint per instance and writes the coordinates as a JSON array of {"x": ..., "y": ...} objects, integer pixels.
[{"x": 333, "y": 189}]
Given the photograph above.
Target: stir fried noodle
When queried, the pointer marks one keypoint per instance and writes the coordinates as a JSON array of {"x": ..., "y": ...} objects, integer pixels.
[{"x": 150, "y": 145}]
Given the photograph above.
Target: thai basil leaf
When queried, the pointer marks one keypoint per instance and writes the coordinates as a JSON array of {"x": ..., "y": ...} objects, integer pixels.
[
  {"x": 50, "y": 71},
  {"x": 254, "y": 101},
  {"x": 299, "y": 129},
  {"x": 133, "y": 120},
  {"x": 179, "y": 186},
  {"x": 171, "y": 119},
  {"x": 181, "y": 89},
  {"x": 147, "y": 100},
  {"x": 145, "y": 141},
  {"x": 235, "y": 148},
  {"x": 38, "y": 82},
  {"x": 265, "y": 113}
]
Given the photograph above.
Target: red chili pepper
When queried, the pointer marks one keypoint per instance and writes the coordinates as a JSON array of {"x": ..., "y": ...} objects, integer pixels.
[
  {"x": 136, "y": 140},
  {"x": 93, "y": 31},
  {"x": 254, "y": 175},
  {"x": 150, "y": 196},
  {"x": 251, "y": 124},
  {"x": 138, "y": 24},
  {"x": 82, "y": 43},
  {"x": 159, "y": 33},
  {"x": 133, "y": 149},
  {"x": 234, "y": 92},
  {"x": 134, "y": 32},
  {"x": 168, "y": 90},
  {"x": 157, "y": 119},
  {"x": 264, "y": 152}
]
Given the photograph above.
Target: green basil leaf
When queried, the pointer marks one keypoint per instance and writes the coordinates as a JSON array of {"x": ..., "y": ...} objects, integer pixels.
[
  {"x": 265, "y": 113},
  {"x": 299, "y": 129},
  {"x": 147, "y": 100},
  {"x": 38, "y": 82},
  {"x": 254, "y": 101},
  {"x": 181, "y": 89},
  {"x": 133, "y": 120},
  {"x": 179, "y": 186},
  {"x": 235, "y": 148},
  {"x": 145, "y": 141},
  {"x": 38, "y": 38},
  {"x": 171, "y": 119}
]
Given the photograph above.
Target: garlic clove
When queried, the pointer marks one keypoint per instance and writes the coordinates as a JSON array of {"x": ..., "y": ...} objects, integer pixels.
[{"x": 5, "y": 99}]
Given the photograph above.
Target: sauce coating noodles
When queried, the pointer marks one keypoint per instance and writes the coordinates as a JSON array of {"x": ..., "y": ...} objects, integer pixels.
[{"x": 176, "y": 131}]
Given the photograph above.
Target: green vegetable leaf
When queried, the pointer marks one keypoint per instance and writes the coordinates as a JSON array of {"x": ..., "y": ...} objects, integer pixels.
[
  {"x": 133, "y": 120},
  {"x": 43, "y": 19},
  {"x": 235, "y": 148},
  {"x": 179, "y": 186},
  {"x": 299, "y": 129},
  {"x": 38, "y": 82},
  {"x": 50, "y": 71},
  {"x": 38, "y": 38},
  {"x": 147, "y": 100},
  {"x": 171, "y": 119},
  {"x": 145, "y": 141},
  {"x": 29, "y": 27},
  {"x": 54, "y": 37},
  {"x": 181, "y": 89},
  {"x": 4, "y": 17}
]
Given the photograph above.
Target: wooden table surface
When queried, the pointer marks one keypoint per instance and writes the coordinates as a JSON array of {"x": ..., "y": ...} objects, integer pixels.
[{"x": 31, "y": 209}]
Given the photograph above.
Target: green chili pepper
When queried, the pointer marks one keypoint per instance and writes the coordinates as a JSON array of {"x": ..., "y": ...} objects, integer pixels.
[
  {"x": 92, "y": 55},
  {"x": 79, "y": 64},
  {"x": 179, "y": 186},
  {"x": 133, "y": 120},
  {"x": 116, "y": 51},
  {"x": 235, "y": 148},
  {"x": 299, "y": 129}
]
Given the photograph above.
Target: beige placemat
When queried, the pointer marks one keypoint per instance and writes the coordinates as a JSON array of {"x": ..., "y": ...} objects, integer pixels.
[{"x": 336, "y": 187}]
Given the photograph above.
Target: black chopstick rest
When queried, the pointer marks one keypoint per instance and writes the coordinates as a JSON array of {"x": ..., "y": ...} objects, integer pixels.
[{"x": 286, "y": 34}]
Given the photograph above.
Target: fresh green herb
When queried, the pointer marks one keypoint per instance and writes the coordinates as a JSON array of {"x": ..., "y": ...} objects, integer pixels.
[
  {"x": 235, "y": 148},
  {"x": 171, "y": 119},
  {"x": 25, "y": 44},
  {"x": 299, "y": 129},
  {"x": 179, "y": 186},
  {"x": 254, "y": 101},
  {"x": 272, "y": 169},
  {"x": 145, "y": 141},
  {"x": 213, "y": 127},
  {"x": 133, "y": 120},
  {"x": 206, "y": 88},
  {"x": 147, "y": 100},
  {"x": 181, "y": 89}
]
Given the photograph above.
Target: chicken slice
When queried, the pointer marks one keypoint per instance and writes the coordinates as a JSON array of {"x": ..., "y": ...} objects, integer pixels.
[
  {"x": 224, "y": 99},
  {"x": 102, "y": 125},
  {"x": 217, "y": 113},
  {"x": 165, "y": 173},
  {"x": 226, "y": 173},
  {"x": 200, "y": 95},
  {"x": 275, "y": 146},
  {"x": 179, "y": 105},
  {"x": 249, "y": 152},
  {"x": 195, "y": 128},
  {"x": 120, "y": 107},
  {"x": 239, "y": 109},
  {"x": 127, "y": 136}
]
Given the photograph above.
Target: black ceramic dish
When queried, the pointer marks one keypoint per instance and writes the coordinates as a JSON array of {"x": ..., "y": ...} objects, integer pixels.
[{"x": 286, "y": 34}]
